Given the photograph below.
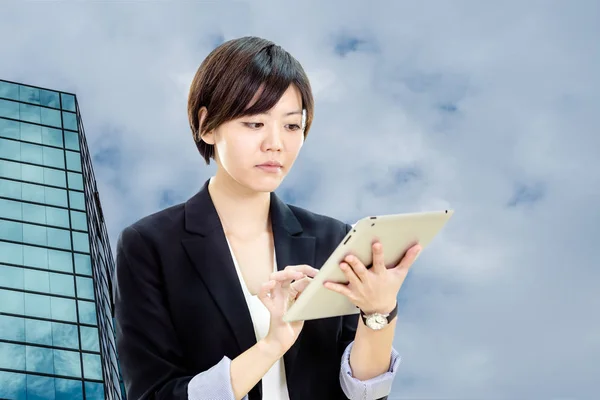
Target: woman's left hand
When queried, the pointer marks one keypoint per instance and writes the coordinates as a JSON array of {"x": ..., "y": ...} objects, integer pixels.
[{"x": 374, "y": 289}]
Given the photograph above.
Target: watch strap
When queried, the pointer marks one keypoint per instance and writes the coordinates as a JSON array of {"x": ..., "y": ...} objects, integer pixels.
[{"x": 389, "y": 317}]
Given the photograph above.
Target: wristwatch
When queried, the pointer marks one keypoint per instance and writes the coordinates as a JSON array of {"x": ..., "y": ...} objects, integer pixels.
[{"x": 377, "y": 321}]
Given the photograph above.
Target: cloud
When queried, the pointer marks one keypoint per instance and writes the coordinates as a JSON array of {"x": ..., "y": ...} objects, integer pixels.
[
  {"x": 346, "y": 43},
  {"x": 527, "y": 194},
  {"x": 489, "y": 109}
]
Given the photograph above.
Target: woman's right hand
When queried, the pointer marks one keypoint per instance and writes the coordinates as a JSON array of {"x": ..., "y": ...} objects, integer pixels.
[{"x": 278, "y": 294}]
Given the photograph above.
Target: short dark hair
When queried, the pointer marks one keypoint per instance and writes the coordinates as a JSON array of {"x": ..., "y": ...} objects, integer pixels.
[{"x": 229, "y": 78}]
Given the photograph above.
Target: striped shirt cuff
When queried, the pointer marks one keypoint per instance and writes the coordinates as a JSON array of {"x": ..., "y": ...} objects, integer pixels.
[
  {"x": 214, "y": 383},
  {"x": 371, "y": 389}
]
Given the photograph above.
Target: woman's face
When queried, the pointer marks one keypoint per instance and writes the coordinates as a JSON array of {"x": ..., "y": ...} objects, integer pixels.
[{"x": 258, "y": 151}]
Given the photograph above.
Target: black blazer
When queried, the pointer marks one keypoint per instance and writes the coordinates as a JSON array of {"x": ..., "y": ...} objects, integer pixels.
[{"x": 179, "y": 306}]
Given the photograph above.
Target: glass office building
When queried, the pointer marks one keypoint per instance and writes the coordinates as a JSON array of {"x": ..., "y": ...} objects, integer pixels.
[{"x": 56, "y": 327}]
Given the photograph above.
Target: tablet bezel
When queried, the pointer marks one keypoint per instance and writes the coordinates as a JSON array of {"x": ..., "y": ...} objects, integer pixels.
[{"x": 397, "y": 233}]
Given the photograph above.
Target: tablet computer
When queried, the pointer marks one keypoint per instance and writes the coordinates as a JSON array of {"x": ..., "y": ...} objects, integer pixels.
[{"x": 397, "y": 233}]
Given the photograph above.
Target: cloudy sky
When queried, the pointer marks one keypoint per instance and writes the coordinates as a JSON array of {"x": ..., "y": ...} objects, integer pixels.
[{"x": 483, "y": 107}]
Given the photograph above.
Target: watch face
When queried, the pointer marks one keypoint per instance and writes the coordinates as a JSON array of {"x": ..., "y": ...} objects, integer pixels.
[{"x": 376, "y": 321}]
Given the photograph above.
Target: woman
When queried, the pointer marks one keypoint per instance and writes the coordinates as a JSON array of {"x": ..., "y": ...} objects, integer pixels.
[{"x": 201, "y": 287}]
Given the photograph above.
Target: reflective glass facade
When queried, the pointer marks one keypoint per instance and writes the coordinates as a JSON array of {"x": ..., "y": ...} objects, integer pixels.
[{"x": 56, "y": 327}]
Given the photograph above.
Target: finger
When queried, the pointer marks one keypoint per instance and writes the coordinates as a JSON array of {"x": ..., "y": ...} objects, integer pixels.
[
  {"x": 296, "y": 288},
  {"x": 264, "y": 293},
  {"x": 299, "y": 286},
  {"x": 350, "y": 274},
  {"x": 358, "y": 267},
  {"x": 408, "y": 259},
  {"x": 339, "y": 288},
  {"x": 378, "y": 259},
  {"x": 286, "y": 276},
  {"x": 305, "y": 269}
]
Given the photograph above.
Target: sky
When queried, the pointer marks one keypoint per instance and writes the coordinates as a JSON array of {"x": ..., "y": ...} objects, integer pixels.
[{"x": 483, "y": 107}]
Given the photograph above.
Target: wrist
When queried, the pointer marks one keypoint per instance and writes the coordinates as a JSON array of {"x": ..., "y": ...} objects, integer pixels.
[
  {"x": 271, "y": 348},
  {"x": 385, "y": 308},
  {"x": 389, "y": 307}
]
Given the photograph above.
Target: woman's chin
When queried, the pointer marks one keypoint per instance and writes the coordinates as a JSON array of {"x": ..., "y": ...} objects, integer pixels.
[{"x": 265, "y": 184}]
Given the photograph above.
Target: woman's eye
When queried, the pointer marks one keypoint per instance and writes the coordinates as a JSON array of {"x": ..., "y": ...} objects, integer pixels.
[
  {"x": 253, "y": 125},
  {"x": 293, "y": 127}
]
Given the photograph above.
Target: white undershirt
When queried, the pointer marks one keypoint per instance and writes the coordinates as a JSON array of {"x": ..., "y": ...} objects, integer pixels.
[{"x": 274, "y": 385}]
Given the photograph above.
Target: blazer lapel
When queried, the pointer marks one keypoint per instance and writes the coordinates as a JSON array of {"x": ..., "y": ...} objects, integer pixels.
[
  {"x": 209, "y": 252},
  {"x": 292, "y": 247}
]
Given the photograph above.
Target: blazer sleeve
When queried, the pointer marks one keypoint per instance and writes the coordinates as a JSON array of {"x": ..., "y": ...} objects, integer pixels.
[{"x": 151, "y": 360}]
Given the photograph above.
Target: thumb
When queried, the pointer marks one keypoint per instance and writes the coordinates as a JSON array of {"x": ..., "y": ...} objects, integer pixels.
[{"x": 299, "y": 286}]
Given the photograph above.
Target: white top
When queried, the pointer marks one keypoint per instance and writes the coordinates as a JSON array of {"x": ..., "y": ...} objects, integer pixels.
[{"x": 274, "y": 384}]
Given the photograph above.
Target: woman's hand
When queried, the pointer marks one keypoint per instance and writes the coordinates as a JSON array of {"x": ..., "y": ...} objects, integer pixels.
[
  {"x": 374, "y": 289},
  {"x": 278, "y": 294}
]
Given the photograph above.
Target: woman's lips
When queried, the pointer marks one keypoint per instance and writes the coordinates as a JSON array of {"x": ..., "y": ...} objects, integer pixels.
[{"x": 270, "y": 167}]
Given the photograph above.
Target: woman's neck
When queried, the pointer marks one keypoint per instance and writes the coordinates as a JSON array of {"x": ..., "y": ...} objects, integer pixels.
[{"x": 244, "y": 213}]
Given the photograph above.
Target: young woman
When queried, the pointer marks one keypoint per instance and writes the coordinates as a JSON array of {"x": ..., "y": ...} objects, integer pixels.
[{"x": 201, "y": 287}]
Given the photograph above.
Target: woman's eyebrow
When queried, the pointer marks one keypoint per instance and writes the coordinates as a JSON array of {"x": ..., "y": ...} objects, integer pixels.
[{"x": 297, "y": 112}]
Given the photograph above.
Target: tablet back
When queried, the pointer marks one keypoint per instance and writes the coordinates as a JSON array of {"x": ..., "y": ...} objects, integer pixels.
[{"x": 397, "y": 233}]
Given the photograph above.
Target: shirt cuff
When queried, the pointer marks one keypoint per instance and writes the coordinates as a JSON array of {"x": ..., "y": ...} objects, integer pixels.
[
  {"x": 214, "y": 383},
  {"x": 371, "y": 389}
]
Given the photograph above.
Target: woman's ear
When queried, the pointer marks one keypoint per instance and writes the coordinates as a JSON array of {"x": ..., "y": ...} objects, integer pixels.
[{"x": 207, "y": 137}]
